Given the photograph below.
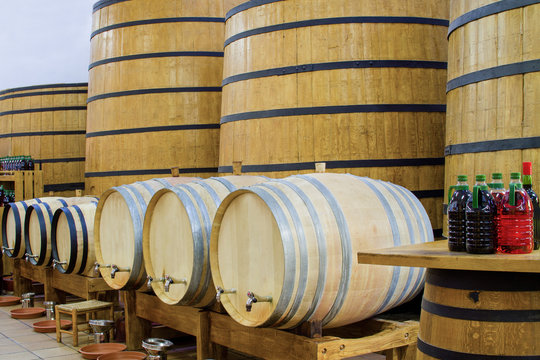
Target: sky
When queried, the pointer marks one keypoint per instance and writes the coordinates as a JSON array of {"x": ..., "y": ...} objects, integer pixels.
[{"x": 44, "y": 42}]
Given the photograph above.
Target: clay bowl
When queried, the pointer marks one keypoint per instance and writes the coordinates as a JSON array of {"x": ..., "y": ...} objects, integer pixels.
[
  {"x": 94, "y": 351},
  {"x": 49, "y": 326},
  {"x": 9, "y": 300},
  {"x": 124, "y": 355},
  {"x": 27, "y": 313}
]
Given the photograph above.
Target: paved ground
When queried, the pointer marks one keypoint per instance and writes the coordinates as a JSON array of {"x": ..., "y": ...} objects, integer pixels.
[{"x": 18, "y": 341}]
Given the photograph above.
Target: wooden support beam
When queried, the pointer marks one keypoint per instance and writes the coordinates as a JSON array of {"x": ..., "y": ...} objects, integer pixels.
[{"x": 137, "y": 329}]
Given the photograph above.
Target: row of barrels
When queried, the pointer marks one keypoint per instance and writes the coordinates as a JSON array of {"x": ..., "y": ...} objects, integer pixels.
[{"x": 279, "y": 251}]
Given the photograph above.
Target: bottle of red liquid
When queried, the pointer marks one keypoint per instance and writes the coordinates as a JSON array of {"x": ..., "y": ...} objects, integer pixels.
[
  {"x": 515, "y": 232},
  {"x": 481, "y": 234},
  {"x": 497, "y": 190},
  {"x": 527, "y": 185},
  {"x": 457, "y": 202}
]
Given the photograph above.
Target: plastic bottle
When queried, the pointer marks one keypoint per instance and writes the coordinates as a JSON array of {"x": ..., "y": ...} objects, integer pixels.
[
  {"x": 457, "y": 202},
  {"x": 515, "y": 232},
  {"x": 480, "y": 215},
  {"x": 527, "y": 185},
  {"x": 30, "y": 163},
  {"x": 497, "y": 190}
]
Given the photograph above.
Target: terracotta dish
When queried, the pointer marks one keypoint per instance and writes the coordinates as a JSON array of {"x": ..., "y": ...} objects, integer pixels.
[
  {"x": 27, "y": 313},
  {"x": 124, "y": 355},
  {"x": 49, "y": 326},
  {"x": 94, "y": 351},
  {"x": 9, "y": 300}
]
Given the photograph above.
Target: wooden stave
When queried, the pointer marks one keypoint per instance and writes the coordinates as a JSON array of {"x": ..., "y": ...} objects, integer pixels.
[
  {"x": 136, "y": 196},
  {"x": 81, "y": 219},
  {"x": 101, "y": 176},
  {"x": 249, "y": 18},
  {"x": 486, "y": 308},
  {"x": 504, "y": 112},
  {"x": 193, "y": 195},
  {"x": 44, "y": 212},
  {"x": 63, "y": 168},
  {"x": 284, "y": 320},
  {"x": 19, "y": 218}
]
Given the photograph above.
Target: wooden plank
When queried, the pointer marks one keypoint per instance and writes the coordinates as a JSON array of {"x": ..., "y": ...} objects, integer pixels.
[
  {"x": 137, "y": 329},
  {"x": 31, "y": 272},
  {"x": 182, "y": 318},
  {"x": 436, "y": 255},
  {"x": 19, "y": 186},
  {"x": 38, "y": 183},
  {"x": 21, "y": 285},
  {"x": 266, "y": 343},
  {"x": 52, "y": 294},
  {"x": 72, "y": 284},
  {"x": 28, "y": 177}
]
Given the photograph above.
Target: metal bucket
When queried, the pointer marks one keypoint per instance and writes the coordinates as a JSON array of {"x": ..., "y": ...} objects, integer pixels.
[
  {"x": 49, "y": 308},
  {"x": 156, "y": 348},
  {"x": 28, "y": 300},
  {"x": 101, "y": 329}
]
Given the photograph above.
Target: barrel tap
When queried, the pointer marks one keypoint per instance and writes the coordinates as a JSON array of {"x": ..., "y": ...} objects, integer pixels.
[
  {"x": 56, "y": 263},
  {"x": 29, "y": 256},
  {"x": 223, "y": 291},
  {"x": 252, "y": 299},
  {"x": 115, "y": 269},
  {"x": 5, "y": 248},
  {"x": 97, "y": 266},
  {"x": 149, "y": 280}
]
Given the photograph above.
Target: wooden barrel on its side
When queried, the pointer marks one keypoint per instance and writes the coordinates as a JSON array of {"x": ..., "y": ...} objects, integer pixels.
[
  {"x": 13, "y": 240},
  {"x": 480, "y": 315},
  {"x": 292, "y": 243},
  {"x": 493, "y": 89},
  {"x": 354, "y": 84},
  {"x": 118, "y": 227},
  {"x": 176, "y": 238},
  {"x": 153, "y": 104},
  {"x": 37, "y": 228},
  {"x": 72, "y": 239},
  {"x": 47, "y": 122}
]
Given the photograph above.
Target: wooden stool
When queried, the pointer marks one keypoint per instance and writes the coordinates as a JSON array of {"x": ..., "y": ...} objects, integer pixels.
[{"x": 88, "y": 308}]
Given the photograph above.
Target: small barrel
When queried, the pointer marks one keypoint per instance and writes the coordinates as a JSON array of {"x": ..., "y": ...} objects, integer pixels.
[
  {"x": 13, "y": 244},
  {"x": 37, "y": 228},
  {"x": 72, "y": 239},
  {"x": 176, "y": 238},
  {"x": 118, "y": 228},
  {"x": 480, "y": 315},
  {"x": 290, "y": 244}
]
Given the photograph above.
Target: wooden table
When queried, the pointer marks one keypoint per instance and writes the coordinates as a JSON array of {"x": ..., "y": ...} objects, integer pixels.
[{"x": 474, "y": 306}]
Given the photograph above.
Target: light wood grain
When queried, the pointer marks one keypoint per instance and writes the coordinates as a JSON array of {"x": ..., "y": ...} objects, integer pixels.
[{"x": 436, "y": 255}]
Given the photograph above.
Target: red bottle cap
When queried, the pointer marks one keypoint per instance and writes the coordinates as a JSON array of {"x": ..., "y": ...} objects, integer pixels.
[{"x": 527, "y": 168}]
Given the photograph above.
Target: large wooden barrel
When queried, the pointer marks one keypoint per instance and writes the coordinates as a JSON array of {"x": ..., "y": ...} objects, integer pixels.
[
  {"x": 13, "y": 239},
  {"x": 480, "y": 315},
  {"x": 47, "y": 122},
  {"x": 295, "y": 240},
  {"x": 118, "y": 228},
  {"x": 72, "y": 239},
  {"x": 37, "y": 228},
  {"x": 355, "y": 84},
  {"x": 176, "y": 238},
  {"x": 154, "y": 90},
  {"x": 493, "y": 88}
]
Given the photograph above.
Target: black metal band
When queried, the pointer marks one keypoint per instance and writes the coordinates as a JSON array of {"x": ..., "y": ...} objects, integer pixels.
[
  {"x": 26, "y": 111},
  {"x": 154, "y": 91},
  {"x": 153, "y": 129},
  {"x": 481, "y": 314},
  {"x": 104, "y": 3},
  {"x": 440, "y": 353},
  {"x": 42, "y": 93},
  {"x": 248, "y": 5},
  {"x": 47, "y": 86},
  {"x": 63, "y": 187},
  {"x": 423, "y": 194},
  {"x": 338, "y": 20},
  {"x": 43, "y": 133},
  {"x": 493, "y": 145},
  {"x": 343, "y": 109},
  {"x": 491, "y": 9},
  {"x": 149, "y": 172},
  {"x": 337, "y": 164},
  {"x": 496, "y": 72},
  {"x": 484, "y": 280},
  {"x": 155, "y": 55},
  {"x": 158, "y": 21},
  {"x": 58, "y": 160},
  {"x": 358, "y": 64}
]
